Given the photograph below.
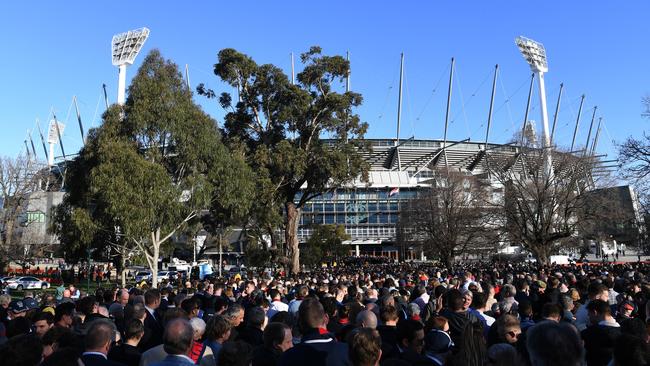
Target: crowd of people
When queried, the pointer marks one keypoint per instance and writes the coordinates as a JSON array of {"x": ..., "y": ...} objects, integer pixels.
[{"x": 363, "y": 312}]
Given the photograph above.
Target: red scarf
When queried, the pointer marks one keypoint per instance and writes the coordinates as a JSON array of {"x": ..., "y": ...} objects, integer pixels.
[{"x": 197, "y": 350}]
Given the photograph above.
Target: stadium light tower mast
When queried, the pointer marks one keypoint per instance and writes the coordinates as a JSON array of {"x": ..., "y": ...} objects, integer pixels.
[
  {"x": 125, "y": 47},
  {"x": 535, "y": 55}
]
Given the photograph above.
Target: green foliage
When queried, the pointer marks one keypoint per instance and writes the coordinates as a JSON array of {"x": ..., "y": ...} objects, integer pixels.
[
  {"x": 326, "y": 242},
  {"x": 257, "y": 257},
  {"x": 280, "y": 126},
  {"x": 312, "y": 256},
  {"x": 149, "y": 169}
]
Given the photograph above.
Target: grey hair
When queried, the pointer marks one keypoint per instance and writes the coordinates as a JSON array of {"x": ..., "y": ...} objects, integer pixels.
[{"x": 198, "y": 326}]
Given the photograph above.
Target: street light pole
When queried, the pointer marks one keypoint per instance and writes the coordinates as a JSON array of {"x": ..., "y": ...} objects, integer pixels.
[
  {"x": 535, "y": 54},
  {"x": 89, "y": 251}
]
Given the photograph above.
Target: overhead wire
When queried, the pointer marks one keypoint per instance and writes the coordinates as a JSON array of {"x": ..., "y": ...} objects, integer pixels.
[
  {"x": 433, "y": 92},
  {"x": 390, "y": 87},
  {"x": 462, "y": 103}
]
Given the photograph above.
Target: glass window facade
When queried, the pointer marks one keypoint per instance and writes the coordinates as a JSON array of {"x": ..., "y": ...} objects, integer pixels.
[{"x": 367, "y": 213}]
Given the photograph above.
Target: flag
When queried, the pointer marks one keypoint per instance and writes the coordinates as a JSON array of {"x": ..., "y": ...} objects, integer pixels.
[{"x": 393, "y": 192}]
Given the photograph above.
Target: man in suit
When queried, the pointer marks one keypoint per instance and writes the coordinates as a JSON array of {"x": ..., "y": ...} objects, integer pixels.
[
  {"x": 101, "y": 334},
  {"x": 317, "y": 347},
  {"x": 127, "y": 352},
  {"x": 177, "y": 342},
  {"x": 152, "y": 321}
]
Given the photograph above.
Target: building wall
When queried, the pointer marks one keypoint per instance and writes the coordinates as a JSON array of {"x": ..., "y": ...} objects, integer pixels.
[{"x": 37, "y": 217}]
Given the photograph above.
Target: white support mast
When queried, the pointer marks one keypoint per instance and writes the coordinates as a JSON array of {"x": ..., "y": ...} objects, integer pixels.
[
  {"x": 535, "y": 54},
  {"x": 187, "y": 77},
  {"x": 293, "y": 71},
  {"x": 399, "y": 110},
  {"x": 125, "y": 47}
]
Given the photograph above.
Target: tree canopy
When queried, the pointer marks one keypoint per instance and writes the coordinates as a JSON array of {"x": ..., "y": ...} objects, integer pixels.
[
  {"x": 149, "y": 169},
  {"x": 282, "y": 127}
]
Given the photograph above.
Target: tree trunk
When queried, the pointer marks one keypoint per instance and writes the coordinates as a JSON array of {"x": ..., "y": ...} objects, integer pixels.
[
  {"x": 541, "y": 253},
  {"x": 291, "y": 235},
  {"x": 123, "y": 270},
  {"x": 155, "y": 243},
  {"x": 9, "y": 233}
]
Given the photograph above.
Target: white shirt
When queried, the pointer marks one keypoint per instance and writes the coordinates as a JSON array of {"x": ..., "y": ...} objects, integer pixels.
[
  {"x": 488, "y": 319},
  {"x": 276, "y": 307},
  {"x": 151, "y": 311}
]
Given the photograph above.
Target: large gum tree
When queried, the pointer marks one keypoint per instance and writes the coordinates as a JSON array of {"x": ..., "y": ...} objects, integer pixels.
[
  {"x": 149, "y": 170},
  {"x": 282, "y": 126}
]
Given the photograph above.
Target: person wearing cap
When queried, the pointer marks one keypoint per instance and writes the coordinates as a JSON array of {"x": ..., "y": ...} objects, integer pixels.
[
  {"x": 30, "y": 303},
  {"x": 625, "y": 311},
  {"x": 17, "y": 309}
]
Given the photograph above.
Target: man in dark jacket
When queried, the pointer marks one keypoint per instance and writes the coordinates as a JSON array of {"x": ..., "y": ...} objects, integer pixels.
[
  {"x": 127, "y": 352},
  {"x": 277, "y": 340},
  {"x": 388, "y": 332},
  {"x": 98, "y": 340},
  {"x": 601, "y": 335},
  {"x": 456, "y": 315},
  {"x": 252, "y": 332},
  {"x": 317, "y": 346},
  {"x": 410, "y": 337},
  {"x": 152, "y": 321}
]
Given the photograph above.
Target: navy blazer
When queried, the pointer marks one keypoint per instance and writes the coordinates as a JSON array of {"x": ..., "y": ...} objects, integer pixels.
[
  {"x": 97, "y": 360},
  {"x": 172, "y": 360},
  {"x": 153, "y": 332},
  {"x": 317, "y": 350}
]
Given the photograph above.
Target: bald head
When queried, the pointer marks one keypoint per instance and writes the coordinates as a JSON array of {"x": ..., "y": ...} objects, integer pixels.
[
  {"x": 178, "y": 336},
  {"x": 367, "y": 319},
  {"x": 123, "y": 297}
]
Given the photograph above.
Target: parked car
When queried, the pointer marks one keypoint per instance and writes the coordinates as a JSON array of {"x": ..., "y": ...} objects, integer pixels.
[
  {"x": 202, "y": 271},
  {"x": 3, "y": 280},
  {"x": 26, "y": 282},
  {"x": 143, "y": 276},
  {"x": 166, "y": 275}
]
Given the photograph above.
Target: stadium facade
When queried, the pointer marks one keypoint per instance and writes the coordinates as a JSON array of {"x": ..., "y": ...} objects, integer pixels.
[{"x": 398, "y": 171}]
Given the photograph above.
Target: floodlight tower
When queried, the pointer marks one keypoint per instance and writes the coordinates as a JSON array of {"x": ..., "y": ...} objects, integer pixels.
[
  {"x": 125, "y": 47},
  {"x": 535, "y": 55}
]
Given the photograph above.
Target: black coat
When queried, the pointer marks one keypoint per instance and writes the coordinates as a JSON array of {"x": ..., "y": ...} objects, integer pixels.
[
  {"x": 263, "y": 356},
  {"x": 599, "y": 343},
  {"x": 252, "y": 336},
  {"x": 457, "y": 322},
  {"x": 126, "y": 354},
  {"x": 415, "y": 359},
  {"x": 389, "y": 342},
  {"x": 153, "y": 331},
  {"x": 317, "y": 350}
]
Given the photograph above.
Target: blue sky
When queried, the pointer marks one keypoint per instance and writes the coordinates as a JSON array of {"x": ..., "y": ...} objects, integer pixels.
[{"x": 55, "y": 50}]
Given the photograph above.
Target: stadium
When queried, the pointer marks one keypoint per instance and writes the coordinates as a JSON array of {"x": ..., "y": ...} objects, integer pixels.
[{"x": 398, "y": 169}]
